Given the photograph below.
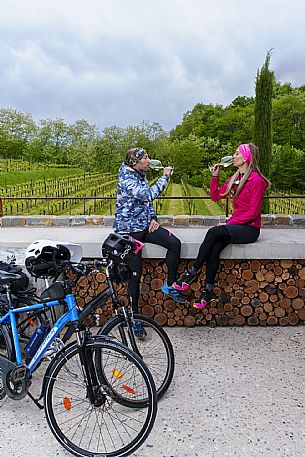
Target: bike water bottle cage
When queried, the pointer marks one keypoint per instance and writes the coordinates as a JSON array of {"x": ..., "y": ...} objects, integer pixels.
[{"x": 119, "y": 248}]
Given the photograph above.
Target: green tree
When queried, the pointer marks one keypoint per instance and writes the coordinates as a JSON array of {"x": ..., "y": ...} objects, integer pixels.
[
  {"x": 203, "y": 120},
  {"x": 262, "y": 134},
  {"x": 289, "y": 119},
  {"x": 17, "y": 131}
]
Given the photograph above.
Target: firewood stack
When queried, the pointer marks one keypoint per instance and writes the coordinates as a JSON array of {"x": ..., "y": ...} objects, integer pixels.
[{"x": 254, "y": 292}]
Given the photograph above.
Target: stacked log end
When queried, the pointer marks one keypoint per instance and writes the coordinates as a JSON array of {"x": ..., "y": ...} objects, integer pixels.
[{"x": 256, "y": 292}]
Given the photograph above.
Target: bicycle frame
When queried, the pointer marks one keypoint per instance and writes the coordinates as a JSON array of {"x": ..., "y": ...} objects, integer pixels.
[{"x": 70, "y": 316}]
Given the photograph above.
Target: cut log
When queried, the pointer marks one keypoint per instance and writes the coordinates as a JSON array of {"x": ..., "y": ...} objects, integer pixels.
[
  {"x": 291, "y": 292},
  {"x": 246, "y": 310},
  {"x": 301, "y": 273},
  {"x": 293, "y": 319},
  {"x": 255, "y": 303},
  {"x": 283, "y": 321},
  {"x": 252, "y": 286},
  {"x": 255, "y": 266},
  {"x": 297, "y": 303},
  {"x": 247, "y": 275},
  {"x": 156, "y": 284},
  {"x": 148, "y": 310},
  {"x": 252, "y": 321},
  {"x": 286, "y": 263},
  {"x": 272, "y": 320},
  {"x": 263, "y": 297},
  {"x": 268, "y": 307},
  {"x": 269, "y": 276},
  {"x": 301, "y": 314},
  {"x": 160, "y": 318},
  {"x": 239, "y": 320},
  {"x": 223, "y": 320},
  {"x": 189, "y": 321},
  {"x": 279, "y": 312}
]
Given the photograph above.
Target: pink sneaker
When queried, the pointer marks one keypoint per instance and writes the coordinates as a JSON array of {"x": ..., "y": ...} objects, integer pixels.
[
  {"x": 185, "y": 280},
  {"x": 205, "y": 299},
  {"x": 180, "y": 286},
  {"x": 200, "y": 305}
]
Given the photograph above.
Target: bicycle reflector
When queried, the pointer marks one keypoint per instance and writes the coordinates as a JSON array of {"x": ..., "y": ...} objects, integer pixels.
[{"x": 67, "y": 403}]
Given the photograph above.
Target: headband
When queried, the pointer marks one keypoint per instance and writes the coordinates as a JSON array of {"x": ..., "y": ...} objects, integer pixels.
[
  {"x": 135, "y": 156},
  {"x": 245, "y": 151}
]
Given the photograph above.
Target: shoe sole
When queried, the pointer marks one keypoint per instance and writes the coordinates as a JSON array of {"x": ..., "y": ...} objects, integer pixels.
[
  {"x": 203, "y": 305},
  {"x": 173, "y": 297},
  {"x": 185, "y": 286}
]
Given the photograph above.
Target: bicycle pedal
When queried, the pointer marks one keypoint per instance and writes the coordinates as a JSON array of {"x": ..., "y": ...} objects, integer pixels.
[{"x": 18, "y": 374}]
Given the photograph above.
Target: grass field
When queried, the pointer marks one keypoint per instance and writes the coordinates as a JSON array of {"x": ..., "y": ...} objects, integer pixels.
[
  {"x": 201, "y": 207},
  {"x": 205, "y": 207},
  {"x": 174, "y": 206}
]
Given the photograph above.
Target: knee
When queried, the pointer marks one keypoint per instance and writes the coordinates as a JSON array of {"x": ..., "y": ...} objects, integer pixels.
[
  {"x": 175, "y": 243},
  {"x": 214, "y": 233}
]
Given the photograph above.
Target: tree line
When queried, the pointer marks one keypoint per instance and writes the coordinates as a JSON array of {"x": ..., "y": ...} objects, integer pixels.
[{"x": 206, "y": 133}]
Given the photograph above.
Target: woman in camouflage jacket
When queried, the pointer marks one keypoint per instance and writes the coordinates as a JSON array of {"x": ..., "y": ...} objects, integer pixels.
[{"x": 135, "y": 215}]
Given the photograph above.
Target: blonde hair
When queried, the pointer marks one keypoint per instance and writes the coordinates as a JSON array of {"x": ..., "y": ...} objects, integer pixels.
[{"x": 253, "y": 166}]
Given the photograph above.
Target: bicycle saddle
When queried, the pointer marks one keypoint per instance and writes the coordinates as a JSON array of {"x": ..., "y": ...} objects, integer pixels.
[{"x": 8, "y": 278}]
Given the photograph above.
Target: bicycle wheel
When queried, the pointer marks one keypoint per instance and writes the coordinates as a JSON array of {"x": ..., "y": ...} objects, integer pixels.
[
  {"x": 6, "y": 350},
  {"x": 155, "y": 348},
  {"x": 108, "y": 428}
]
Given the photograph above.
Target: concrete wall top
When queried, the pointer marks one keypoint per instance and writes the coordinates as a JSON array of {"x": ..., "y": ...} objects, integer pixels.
[{"x": 273, "y": 243}]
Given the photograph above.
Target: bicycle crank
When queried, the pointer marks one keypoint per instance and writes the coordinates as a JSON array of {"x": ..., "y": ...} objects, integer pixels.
[{"x": 16, "y": 379}]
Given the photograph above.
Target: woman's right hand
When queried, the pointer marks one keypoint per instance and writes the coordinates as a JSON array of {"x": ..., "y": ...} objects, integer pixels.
[
  {"x": 168, "y": 171},
  {"x": 216, "y": 170}
]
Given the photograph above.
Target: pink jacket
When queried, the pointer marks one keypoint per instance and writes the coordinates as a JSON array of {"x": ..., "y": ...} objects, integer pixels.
[{"x": 247, "y": 206}]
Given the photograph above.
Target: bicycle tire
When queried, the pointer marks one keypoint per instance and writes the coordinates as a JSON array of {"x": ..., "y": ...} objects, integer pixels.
[
  {"x": 6, "y": 350},
  {"x": 154, "y": 347},
  {"x": 110, "y": 429}
]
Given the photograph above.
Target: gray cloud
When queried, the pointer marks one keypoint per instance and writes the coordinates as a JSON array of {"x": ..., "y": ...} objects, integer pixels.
[{"x": 127, "y": 61}]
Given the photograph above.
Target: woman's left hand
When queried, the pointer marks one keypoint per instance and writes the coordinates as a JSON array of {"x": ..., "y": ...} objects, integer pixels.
[{"x": 153, "y": 226}]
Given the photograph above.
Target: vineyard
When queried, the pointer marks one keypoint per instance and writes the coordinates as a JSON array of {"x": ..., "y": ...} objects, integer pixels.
[
  {"x": 29, "y": 188},
  {"x": 55, "y": 191}
]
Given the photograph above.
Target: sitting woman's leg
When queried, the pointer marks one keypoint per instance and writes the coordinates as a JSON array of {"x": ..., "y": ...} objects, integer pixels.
[
  {"x": 218, "y": 234},
  {"x": 239, "y": 234},
  {"x": 135, "y": 263},
  {"x": 212, "y": 264},
  {"x": 165, "y": 238}
]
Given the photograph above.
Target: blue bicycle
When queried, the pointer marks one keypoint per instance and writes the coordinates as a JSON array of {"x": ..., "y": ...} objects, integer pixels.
[{"x": 91, "y": 386}]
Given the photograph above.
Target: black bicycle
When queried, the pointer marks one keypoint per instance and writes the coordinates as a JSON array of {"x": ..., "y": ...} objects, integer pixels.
[{"x": 151, "y": 343}]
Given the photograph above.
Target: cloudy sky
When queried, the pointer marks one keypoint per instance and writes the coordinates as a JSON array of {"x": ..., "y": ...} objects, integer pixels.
[{"x": 124, "y": 61}]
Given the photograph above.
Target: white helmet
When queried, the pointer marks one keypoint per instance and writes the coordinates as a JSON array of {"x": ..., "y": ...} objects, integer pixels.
[{"x": 42, "y": 257}]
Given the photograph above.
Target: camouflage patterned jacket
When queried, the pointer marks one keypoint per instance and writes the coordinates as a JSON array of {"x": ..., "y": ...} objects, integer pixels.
[{"x": 134, "y": 207}]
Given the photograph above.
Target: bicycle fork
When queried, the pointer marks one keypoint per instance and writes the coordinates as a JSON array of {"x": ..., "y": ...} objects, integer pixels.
[{"x": 96, "y": 397}]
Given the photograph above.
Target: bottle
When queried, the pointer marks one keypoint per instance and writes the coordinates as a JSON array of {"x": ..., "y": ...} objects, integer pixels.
[{"x": 36, "y": 339}]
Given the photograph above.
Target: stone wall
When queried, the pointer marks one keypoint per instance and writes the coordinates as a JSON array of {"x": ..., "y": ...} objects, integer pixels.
[{"x": 268, "y": 220}]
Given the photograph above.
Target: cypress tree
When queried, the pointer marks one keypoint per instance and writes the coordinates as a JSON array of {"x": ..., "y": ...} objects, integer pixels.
[{"x": 262, "y": 134}]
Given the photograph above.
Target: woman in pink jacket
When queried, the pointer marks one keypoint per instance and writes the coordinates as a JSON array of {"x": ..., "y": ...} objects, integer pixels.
[{"x": 246, "y": 188}]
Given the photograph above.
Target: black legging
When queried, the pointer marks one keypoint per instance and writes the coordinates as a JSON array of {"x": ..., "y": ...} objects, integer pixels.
[
  {"x": 216, "y": 239},
  {"x": 164, "y": 238}
]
